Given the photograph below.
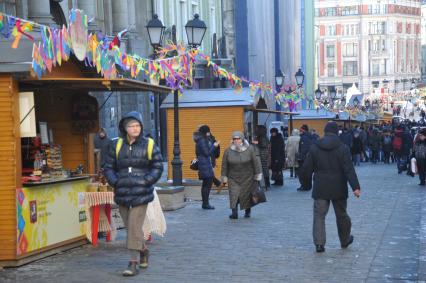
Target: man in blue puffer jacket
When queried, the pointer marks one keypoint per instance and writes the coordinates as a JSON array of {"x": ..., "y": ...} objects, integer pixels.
[{"x": 132, "y": 173}]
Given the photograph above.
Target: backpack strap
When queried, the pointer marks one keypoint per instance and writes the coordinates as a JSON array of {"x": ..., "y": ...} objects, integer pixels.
[
  {"x": 149, "y": 150},
  {"x": 118, "y": 147}
]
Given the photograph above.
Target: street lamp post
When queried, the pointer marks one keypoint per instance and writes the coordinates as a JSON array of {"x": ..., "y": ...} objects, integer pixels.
[
  {"x": 279, "y": 81},
  {"x": 300, "y": 78},
  {"x": 356, "y": 103},
  {"x": 195, "y": 30}
]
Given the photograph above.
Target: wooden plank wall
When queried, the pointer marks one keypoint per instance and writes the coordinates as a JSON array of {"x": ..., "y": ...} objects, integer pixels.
[
  {"x": 55, "y": 109},
  {"x": 222, "y": 122},
  {"x": 317, "y": 124},
  {"x": 10, "y": 164}
]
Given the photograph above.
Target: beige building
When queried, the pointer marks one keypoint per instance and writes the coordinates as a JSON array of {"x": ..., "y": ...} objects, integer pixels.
[{"x": 374, "y": 44}]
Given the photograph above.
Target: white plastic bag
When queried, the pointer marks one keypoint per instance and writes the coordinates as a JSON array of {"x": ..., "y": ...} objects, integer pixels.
[{"x": 414, "y": 166}]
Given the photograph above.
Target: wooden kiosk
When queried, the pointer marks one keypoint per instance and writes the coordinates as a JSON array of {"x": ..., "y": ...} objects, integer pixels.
[
  {"x": 224, "y": 110},
  {"x": 42, "y": 217}
]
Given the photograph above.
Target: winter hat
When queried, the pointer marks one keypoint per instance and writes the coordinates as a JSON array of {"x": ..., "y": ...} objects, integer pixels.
[
  {"x": 331, "y": 127},
  {"x": 295, "y": 132},
  {"x": 305, "y": 127},
  {"x": 204, "y": 129},
  {"x": 128, "y": 121},
  {"x": 238, "y": 134},
  {"x": 274, "y": 130}
]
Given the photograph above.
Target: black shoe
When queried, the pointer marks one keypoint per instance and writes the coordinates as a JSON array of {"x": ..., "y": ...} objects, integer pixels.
[
  {"x": 422, "y": 184},
  {"x": 319, "y": 248},
  {"x": 351, "y": 240},
  {"x": 302, "y": 189},
  {"x": 208, "y": 206},
  {"x": 234, "y": 214},
  {"x": 131, "y": 269},
  {"x": 247, "y": 213}
]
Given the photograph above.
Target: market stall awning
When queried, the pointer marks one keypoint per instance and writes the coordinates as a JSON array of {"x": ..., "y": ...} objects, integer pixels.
[
  {"x": 91, "y": 84},
  {"x": 274, "y": 112}
]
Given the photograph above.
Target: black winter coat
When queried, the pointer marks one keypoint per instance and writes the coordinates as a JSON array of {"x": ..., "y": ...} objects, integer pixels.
[
  {"x": 329, "y": 160},
  {"x": 356, "y": 145},
  {"x": 277, "y": 152},
  {"x": 204, "y": 150},
  {"x": 305, "y": 143},
  {"x": 132, "y": 175}
]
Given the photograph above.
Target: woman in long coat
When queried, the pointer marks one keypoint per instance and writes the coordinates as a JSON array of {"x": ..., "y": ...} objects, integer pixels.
[
  {"x": 291, "y": 150},
  {"x": 242, "y": 170},
  {"x": 203, "y": 151},
  {"x": 277, "y": 157},
  {"x": 262, "y": 144}
]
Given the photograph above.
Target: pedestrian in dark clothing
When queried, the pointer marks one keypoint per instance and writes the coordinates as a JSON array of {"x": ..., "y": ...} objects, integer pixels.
[
  {"x": 101, "y": 143},
  {"x": 346, "y": 137},
  {"x": 374, "y": 143},
  {"x": 133, "y": 166},
  {"x": 364, "y": 139},
  {"x": 277, "y": 157},
  {"x": 419, "y": 152},
  {"x": 203, "y": 151},
  {"x": 402, "y": 143},
  {"x": 304, "y": 147},
  {"x": 356, "y": 149},
  {"x": 329, "y": 161},
  {"x": 387, "y": 146},
  {"x": 263, "y": 146},
  {"x": 215, "y": 155}
]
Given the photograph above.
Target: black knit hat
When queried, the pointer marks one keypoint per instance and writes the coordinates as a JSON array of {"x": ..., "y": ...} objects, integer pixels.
[
  {"x": 305, "y": 127},
  {"x": 331, "y": 127},
  {"x": 273, "y": 130},
  {"x": 204, "y": 129}
]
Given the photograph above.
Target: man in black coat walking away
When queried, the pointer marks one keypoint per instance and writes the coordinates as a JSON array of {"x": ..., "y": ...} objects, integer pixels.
[
  {"x": 277, "y": 157},
  {"x": 329, "y": 160},
  {"x": 304, "y": 146}
]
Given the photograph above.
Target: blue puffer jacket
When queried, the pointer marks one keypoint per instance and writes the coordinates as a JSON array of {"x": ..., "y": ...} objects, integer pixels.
[
  {"x": 133, "y": 175},
  {"x": 203, "y": 150}
]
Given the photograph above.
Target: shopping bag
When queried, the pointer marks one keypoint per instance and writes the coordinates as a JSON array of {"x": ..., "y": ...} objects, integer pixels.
[
  {"x": 257, "y": 195},
  {"x": 414, "y": 169},
  {"x": 194, "y": 164}
]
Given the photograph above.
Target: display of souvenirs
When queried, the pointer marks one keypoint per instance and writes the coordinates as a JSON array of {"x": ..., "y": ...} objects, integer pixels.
[{"x": 54, "y": 161}]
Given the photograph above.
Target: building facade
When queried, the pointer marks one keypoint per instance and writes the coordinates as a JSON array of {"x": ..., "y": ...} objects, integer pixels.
[
  {"x": 374, "y": 44},
  {"x": 423, "y": 42}
]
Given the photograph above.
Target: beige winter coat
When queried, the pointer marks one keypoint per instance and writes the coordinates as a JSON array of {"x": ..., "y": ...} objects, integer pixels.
[{"x": 292, "y": 149}]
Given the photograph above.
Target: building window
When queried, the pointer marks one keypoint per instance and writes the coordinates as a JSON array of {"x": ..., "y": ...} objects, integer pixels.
[
  {"x": 349, "y": 10},
  {"x": 350, "y": 49},
  {"x": 350, "y": 68},
  {"x": 331, "y": 30},
  {"x": 330, "y": 12},
  {"x": 375, "y": 68},
  {"x": 330, "y": 69},
  {"x": 330, "y": 51},
  {"x": 8, "y": 7},
  {"x": 377, "y": 27}
]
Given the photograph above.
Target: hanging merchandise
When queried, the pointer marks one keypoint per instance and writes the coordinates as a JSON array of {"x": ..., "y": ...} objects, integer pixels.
[{"x": 79, "y": 33}]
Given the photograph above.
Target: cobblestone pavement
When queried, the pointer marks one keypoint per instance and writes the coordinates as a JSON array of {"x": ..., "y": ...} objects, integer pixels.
[{"x": 275, "y": 245}]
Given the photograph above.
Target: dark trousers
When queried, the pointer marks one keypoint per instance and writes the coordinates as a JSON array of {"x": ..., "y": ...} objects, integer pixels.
[
  {"x": 387, "y": 156},
  {"x": 309, "y": 184},
  {"x": 343, "y": 220},
  {"x": 205, "y": 190},
  {"x": 421, "y": 168},
  {"x": 374, "y": 156}
]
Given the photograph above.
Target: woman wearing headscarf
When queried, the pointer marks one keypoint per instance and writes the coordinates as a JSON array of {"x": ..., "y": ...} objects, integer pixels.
[
  {"x": 291, "y": 150},
  {"x": 241, "y": 170},
  {"x": 203, "y": 150}
]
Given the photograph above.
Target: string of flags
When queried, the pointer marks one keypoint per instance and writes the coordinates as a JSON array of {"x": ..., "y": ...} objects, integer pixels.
[{"x": 98, "y": 51}]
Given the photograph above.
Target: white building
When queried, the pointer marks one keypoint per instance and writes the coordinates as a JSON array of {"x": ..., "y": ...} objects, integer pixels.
[{"x": 373, "y": 43}]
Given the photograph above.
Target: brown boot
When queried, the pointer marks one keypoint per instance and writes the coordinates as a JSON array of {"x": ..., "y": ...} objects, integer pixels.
[{"x": 144, "y": 255}]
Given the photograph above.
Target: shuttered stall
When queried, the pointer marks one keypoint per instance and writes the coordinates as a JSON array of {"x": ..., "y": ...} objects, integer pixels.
[
  {"x": 222, "y": 122},
  {"x": 10, "y": 165}
]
